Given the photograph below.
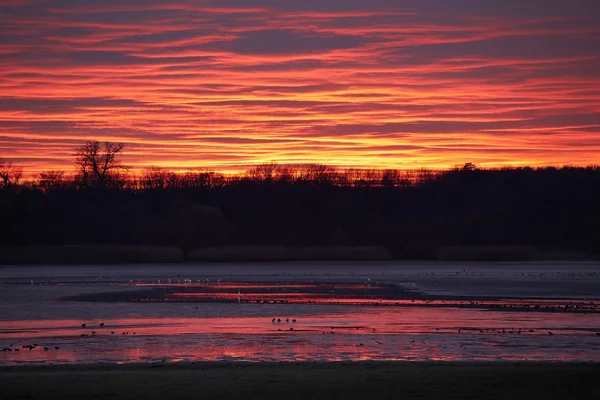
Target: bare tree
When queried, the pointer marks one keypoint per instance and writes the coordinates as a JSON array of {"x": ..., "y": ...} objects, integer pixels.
[
  {"x": 390, "y": 178},
  {"x": 318, "y": 173},
  {"x": 98, "y": 163},
  {"x": 263, "y": 172},
  {"x": 9, "y": 174},
  {"x": 469, "y": 167},
  {"x": 155, "y": 178},
  {"x": 51, "y": 180}
]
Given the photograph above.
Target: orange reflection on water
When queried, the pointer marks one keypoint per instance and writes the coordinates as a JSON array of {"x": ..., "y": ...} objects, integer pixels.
[
  {"x": 354, "y": 298},
  {"x": 367, "y": 333}
]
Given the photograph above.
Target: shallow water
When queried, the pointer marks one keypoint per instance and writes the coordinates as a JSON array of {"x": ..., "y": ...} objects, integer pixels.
[{"x": 354, "y": 318}]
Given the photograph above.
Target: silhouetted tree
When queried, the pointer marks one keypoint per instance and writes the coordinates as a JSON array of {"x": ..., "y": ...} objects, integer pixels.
[
  {"x": 51, "y": 180},
  {"x": 9, "y": 174},
  {"x": 390, "y": 178},
  {"x": 414, "y": 213},
  {"x": 153, "y": 178},
  {"x": 318, "y": 173},
  {"x": 469, "y": 167},
  {"x": 98, "y": 164},
  {"x": 263, "y": 172}
]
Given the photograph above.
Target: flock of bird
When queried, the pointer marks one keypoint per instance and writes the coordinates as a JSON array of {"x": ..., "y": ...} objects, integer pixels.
[
  {"x": 28, "y": 347},
  {"x": 279, "y": 321},
  {"x": 101, "y": 325},
  {"x": 287, "y": 320}
]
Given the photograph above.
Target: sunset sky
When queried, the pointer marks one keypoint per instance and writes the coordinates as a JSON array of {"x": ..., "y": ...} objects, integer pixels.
[{"x": 226, "y": 84}]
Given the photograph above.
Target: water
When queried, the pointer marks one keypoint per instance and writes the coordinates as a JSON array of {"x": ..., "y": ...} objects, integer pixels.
[{"x": 343, "y": 313}]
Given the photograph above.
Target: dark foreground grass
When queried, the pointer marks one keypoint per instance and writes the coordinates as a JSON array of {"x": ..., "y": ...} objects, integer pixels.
[
  {"x": 89, "y": 254},
  {"x": 509, "y": 253},
  {"x": 346, "y": 381},
  {"x": 489, "y": 253},
  {"x": 114, "y": 254},
  {"x": 290, "y": 253}
]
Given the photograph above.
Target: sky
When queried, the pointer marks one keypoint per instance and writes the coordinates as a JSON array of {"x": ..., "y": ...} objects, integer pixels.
[{"x": 226, "y": 84}]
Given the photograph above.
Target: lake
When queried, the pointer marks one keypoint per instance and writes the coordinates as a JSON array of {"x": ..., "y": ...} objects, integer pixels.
[{"x": 300, "y": 312}]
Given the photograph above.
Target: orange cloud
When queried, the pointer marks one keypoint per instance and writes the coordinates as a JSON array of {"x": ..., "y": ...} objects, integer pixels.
[{"x": 227, "y": 84}]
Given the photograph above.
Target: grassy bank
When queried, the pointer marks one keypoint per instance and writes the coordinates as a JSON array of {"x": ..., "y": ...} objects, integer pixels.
[
  {"x": 288, "y": 253},
  {"x": 114, "y": 254},
  {"x": 306, "y": 380},
  {"x": 489, "y": 253},
  {"x": 89, "y": 254},
  {"x": 98, "y": 254},
  {"x": 508, "y": 253}
]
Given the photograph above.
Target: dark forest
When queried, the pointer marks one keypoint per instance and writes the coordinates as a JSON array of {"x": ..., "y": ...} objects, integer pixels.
[{"x": 414, "y": 214}]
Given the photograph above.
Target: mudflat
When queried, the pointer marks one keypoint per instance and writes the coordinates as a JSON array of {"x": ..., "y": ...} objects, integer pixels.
[
  {"x": 381, "y": 380},
  {"x": 292, "y": 312}
]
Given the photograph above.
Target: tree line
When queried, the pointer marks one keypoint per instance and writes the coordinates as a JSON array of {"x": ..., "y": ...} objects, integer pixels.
[
  {"x": 97, "y": 166},
  {"x": 412, "y": 213}
]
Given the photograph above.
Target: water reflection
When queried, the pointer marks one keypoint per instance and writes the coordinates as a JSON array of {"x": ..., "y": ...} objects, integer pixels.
[{"x": 350, "y": 333}]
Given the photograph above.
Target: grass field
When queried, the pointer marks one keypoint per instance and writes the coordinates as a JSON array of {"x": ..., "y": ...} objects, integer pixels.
[
  {"x": 289, "y": 253},
  {"x": 124, "y": 254},
  {"x": 89, "y": 254},
  {"x": 110, "y": 254},
  {"x": 346, "y": 381},
  {"x": 489, "y": 253}
]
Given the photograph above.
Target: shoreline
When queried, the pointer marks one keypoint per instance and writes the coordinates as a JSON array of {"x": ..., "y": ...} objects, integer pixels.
[
  {"x": 159, "y": 294},
  {"x": 141, "y": 254},
  {"x": 332, "y": 263}
]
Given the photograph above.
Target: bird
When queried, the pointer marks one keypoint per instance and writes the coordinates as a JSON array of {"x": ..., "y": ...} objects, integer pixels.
[
  {"x": 83, "y": 325},
  {"x": 278, "y": 319},
  {"x": 273, "y": 320},
  {"x": 287, "y": 320},
  {"x": 102, "y": 324},
  {"x": 294, "y": 320}
]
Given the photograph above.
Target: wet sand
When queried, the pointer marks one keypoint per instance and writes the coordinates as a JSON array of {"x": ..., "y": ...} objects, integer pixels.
[
  {"x": 477, "y": 279},
  {"x": 305, "y": 380}
]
